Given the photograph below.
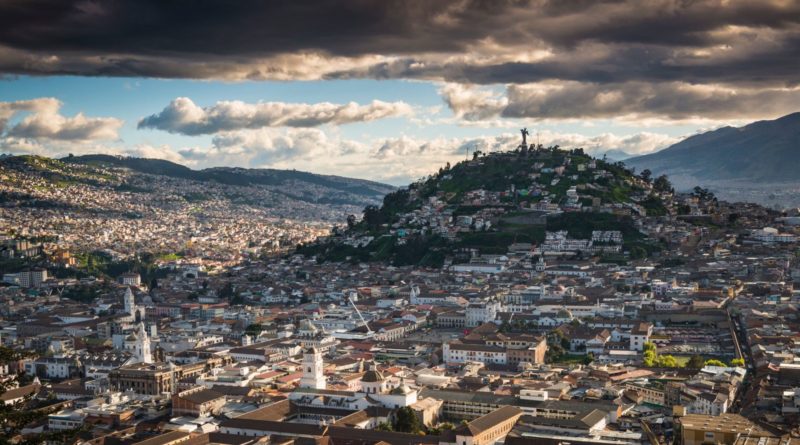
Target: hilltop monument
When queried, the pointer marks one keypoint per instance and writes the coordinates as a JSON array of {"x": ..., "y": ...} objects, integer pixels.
[{"x": 525, "y": 134}]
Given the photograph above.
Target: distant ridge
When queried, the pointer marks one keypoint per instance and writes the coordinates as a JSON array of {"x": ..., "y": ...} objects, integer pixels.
[
  {"x": 234, "y": 176},
  {"x": 760, "y": 153},
  {"x": 307, "y": 196}
]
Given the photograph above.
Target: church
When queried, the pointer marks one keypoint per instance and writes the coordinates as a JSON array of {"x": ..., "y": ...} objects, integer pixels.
[
  {"x": 131, "y": 312},
  {"x": 138, "y": 344},
  {"x": 376, "y": 389}
]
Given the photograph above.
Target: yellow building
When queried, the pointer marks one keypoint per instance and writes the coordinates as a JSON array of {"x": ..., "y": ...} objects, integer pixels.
[
  {"x": 489, "y": 428},
  {"x": 698, "y": 429}
]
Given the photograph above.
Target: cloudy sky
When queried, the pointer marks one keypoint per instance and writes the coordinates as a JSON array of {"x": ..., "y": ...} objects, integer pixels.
[{"x": 386, "y": 90}]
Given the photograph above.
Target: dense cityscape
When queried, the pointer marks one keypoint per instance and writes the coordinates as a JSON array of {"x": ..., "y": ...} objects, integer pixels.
[
  {"x": 407, "y": 222},
  {"x": 553, "y": 339}
]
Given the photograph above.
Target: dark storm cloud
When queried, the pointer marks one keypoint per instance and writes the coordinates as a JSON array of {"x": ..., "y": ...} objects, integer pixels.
[
  {"x": 588, "y": 41},
  {"x": 663, "y": 58}
]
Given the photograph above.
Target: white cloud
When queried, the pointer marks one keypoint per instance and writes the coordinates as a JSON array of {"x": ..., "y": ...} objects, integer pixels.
[
  {"x": 44, "y": 121},
  {"x": 634, "y": 144},
  {"x": 397, "y": 160},
  {"x": 183, "y": 116},
  {"x": 472, "y": 103}
]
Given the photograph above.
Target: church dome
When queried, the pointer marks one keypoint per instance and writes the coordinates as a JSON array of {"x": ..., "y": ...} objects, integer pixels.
[
  {"x": 372, "y": 376},
  {"x": 401, "y": 390}
]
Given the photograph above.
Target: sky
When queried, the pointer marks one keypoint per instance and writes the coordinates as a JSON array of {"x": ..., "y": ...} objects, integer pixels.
[{"x": 389, "y": 90}]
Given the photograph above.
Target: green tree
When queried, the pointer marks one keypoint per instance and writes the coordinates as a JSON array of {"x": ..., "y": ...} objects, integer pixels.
[
  {"x": 737, "y": 362},
  {"x": 714, "y": 362},
  {"x": 227, "y": 291},
  {"x": 253, "y": 330},
  {"x": 662, "y": 184},
  {"x": 649, "y": 358},
  {"x": 384, "y": 426},
  {"x": 440, "y": 428},
  {"x": 666, "y": 361},
  {"x": 695, "y": 361},
  {"x": 373, "y": 217},
  {"x": 406, "y": 421}
]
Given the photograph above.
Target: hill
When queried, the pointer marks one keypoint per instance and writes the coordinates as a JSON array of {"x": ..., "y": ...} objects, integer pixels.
[
  {"x": 120, "y": 208},
  {"x": 282, "y": 193},
  {"x": 240, "y": 176},
  {"x": 764, "y": 152},
  {"x": 494, "y": 200}
]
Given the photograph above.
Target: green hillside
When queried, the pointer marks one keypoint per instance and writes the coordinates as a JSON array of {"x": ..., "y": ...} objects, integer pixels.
[{"x": 495, "y": 200}]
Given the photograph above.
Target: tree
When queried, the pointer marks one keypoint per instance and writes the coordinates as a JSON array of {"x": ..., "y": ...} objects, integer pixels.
[
  {"x": 384, "y": 426},
  {"x": 737, "y": 362},
  {"x": 440, "y": 428},
  {"x": 646, "y": 175},
  {"x": 373, "y": 216},
  {"x": 649, "y": 358},
  {"x": 227, "y": 291},
  {"x": 714, "y": 362},
  {"x": 666, "y": 361},
  {"x": 253, "y": 330},
  {"x": 662, "y": 184},
  {"x": 695, "y": 361},
  {"x": 351, "y": 221},
  {"x": 406, "y": 421}
]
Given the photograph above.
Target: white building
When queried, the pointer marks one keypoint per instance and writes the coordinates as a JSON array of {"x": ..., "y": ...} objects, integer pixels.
[
  {"x": 313, "y": 372},
  {"x": 130, "y": 279},
  {"x": 376, "y": 390},
  {"x": 482, "y": 312},
  {"x": 456, "y": 353},
  {"x": 138, "y": 343}
]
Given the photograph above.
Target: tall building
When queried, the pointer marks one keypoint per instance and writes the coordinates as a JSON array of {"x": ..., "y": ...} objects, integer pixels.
[
  {"x": 133, "y": 312},
  {"x": 129, "y": 301},
  {"x": 313, "y": 376},
  {"x": 141, "y": 345}
]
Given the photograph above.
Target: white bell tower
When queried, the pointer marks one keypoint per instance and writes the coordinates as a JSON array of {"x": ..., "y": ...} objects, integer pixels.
[
  {"x": 143, "y": 346},
  {"x": 130, "y": 302},
  {"x": 313, "y": 374}
]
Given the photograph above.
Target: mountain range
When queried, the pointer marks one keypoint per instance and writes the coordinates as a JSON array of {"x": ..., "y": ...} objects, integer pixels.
[{"x": 764, "y": 151}]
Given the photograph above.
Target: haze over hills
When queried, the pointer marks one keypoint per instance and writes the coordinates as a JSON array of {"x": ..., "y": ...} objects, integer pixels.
[{"x": 738, "y": 163}]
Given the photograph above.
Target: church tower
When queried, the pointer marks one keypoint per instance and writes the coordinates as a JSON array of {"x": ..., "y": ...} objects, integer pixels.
[
  {"x": 142, "y": 348},
  {"x": 130, "y": 302},
  {"x": 313, "y": 376}
]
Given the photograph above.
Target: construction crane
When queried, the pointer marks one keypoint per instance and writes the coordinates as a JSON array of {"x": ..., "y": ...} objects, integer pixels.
[{"x": 369, "y": 331}]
